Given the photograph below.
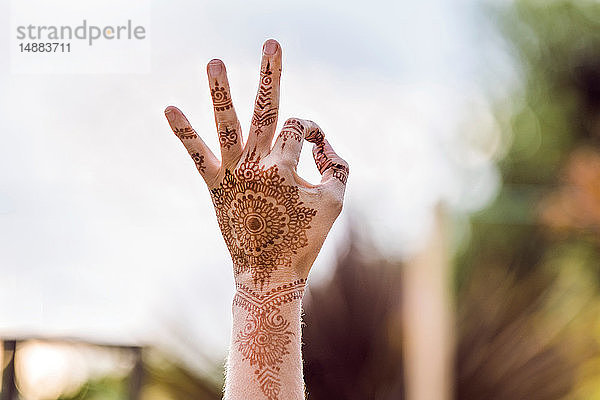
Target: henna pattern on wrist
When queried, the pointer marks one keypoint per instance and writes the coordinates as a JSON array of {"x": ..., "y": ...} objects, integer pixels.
[
  {"x": 265, "y": 337},
  {"x": 262, "y": 220},
  {"x": 199, "y": 161},
  {"x": 264, "y": 113},
  {"x": 221, "y": 100},
  {"x": 185, "y": 133},
  {"x": 227, "y": 137}
]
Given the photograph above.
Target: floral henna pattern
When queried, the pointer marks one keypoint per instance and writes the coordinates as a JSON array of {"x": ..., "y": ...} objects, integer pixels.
[
  {"x": 227, "y": 137},
  {"x": 265, "y": 337},
  {"x": 199, "y": 161},
  {"x": 221, "y": 100},
  {"x": 264, "y": 113},
  {"x": 263, "y": 221},
  {"x": 185, "y": 133}
]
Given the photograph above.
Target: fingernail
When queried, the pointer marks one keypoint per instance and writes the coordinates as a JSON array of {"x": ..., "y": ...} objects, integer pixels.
[
  {"x": 270, "y": 47},
  {"x": 169, "y": 113},
  {"x": 215, "y": 67}
]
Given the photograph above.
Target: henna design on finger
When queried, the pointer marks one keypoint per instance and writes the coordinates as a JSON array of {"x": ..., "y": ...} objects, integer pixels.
[
  {"x": 264, "y": 114},
  {"x": 199, "y": 161},
  {"x": 185, "y": 133},
  {"x": 340, "y": 171},
  {"x": 262, "y": 219},
  {"x": 221, "y": 100},
  {"x": 228, "y": 137},
  {"x": 292, "y": 128},
  {"x": 265, "y": 337},
  {"x": 315, "y": 136}
]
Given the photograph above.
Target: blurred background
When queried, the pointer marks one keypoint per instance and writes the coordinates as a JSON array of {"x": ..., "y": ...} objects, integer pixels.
[{"x": 466, "y": 262}]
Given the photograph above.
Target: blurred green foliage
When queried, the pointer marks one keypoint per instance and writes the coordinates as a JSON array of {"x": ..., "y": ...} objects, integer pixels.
[
  {"x": 554, "y": 110},
  {"x": 106, "y": 388},
  {"x": 541, "y": 232}
]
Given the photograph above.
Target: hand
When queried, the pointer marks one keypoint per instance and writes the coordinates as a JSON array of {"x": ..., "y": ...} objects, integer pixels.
[{"x": 273, "y": 221}]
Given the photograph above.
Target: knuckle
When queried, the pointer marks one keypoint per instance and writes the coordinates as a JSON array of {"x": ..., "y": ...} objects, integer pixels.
[
  {"x": 343, "y": 164},
  {"x": 227, "y": 123},
  {"x": 294, "y": 122}
]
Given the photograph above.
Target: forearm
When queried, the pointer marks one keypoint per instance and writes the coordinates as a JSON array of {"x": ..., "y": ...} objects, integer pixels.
[{"x": 265, "y": 360}]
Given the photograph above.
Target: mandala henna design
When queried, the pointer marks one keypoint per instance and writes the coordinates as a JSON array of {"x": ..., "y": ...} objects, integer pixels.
[
  {"x": 221, "y": 100},
  {"x": 185, "y": 133},
  {"x": 227, "y": 137},
  {"x": 265, "y": 337},
  {"x": 199, "y": 161},
  {"x": 264, "y": 114},
  {"x": 262, "y": 220}
]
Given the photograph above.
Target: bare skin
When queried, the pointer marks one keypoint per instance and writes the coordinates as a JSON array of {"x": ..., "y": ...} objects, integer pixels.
[{"x": 273, "y": 222}]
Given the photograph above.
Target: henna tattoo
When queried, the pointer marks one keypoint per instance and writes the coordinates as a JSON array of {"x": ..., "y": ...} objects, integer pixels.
[
  {"x": 221, "y": 100},
  {"x": 262, "y": 220},
  {"x": 199, "y": 161},
  {"x": 255, "y": 302},
  {"x": 269, "y": 383},
  {"x": 265, "y": 337},
  {"x": 185, "y": 133},
  {"x": 227, "y": 137},
  {"x": 340, "y": 171},
  {"x": 292, "y": 129},
  {"x": 264, "y": 114},
  {"x": 315, "y": 136}
]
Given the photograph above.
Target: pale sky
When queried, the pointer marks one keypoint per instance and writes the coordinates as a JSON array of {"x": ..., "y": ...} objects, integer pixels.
[{"x": 107, "y": 231}]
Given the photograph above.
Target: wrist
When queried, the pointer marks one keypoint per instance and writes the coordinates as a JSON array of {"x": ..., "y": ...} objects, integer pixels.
[
  {"x": 266, "y": 341},
  {"x": 262, "y": 279},
  {"x": 275, "y": 296}
]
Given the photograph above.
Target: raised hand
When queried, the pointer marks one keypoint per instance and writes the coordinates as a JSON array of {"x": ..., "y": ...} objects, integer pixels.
[{"x": 273, "y": 221}]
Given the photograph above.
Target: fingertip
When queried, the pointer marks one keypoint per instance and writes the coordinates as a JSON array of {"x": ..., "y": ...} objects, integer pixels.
[
  {"x": 171, "y": 112},
  {"x": 271, "y": 47},
  {"x": 215, "y": 67},
  {"x": 175, "y": 117}
]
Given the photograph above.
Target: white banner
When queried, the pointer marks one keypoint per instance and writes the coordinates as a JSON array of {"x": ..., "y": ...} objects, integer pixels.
[{"x": 65, "y": 37}]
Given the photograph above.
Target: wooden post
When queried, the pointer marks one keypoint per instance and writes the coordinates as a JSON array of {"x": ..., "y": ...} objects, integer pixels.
[{"x": 428, "y": 319}]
